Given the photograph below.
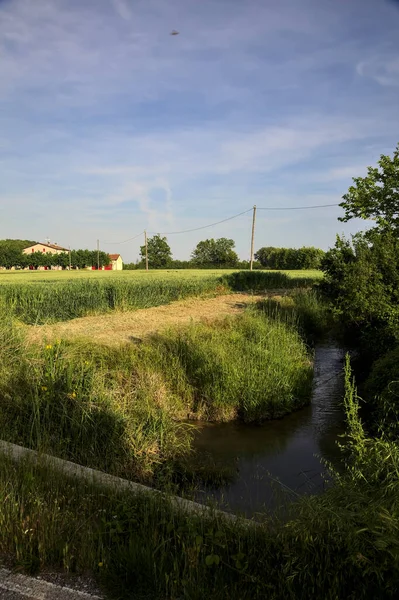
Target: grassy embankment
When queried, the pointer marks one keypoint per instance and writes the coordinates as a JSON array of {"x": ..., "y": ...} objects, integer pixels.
[
  {"x": 122, "y": 409},
  {"x": 342, "y": 544}
]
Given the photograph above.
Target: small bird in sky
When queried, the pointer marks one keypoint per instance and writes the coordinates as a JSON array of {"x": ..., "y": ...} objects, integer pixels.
[{"x": 174, "y": 32}]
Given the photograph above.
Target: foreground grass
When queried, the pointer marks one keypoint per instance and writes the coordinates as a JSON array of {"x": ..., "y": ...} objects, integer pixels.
[
  {"x": 58, "y": 298},
  {"x": 122, "y": 410},
  {"x": 343, "y": 544}
]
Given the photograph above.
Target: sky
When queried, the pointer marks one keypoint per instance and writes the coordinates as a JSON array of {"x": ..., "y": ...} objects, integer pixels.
[{"x": 109, "y": 125}]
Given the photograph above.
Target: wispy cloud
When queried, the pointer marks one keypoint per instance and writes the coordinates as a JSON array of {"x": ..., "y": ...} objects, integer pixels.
[
  {"x": 383, "y": 69},
  {"x": 109, "y": 123},
  {"x": 122, "y": 9}
]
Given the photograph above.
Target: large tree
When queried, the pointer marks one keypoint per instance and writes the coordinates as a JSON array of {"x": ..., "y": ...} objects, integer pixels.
[
  {"x": 159, "y": 252},
  {"x": 213, "y": 252},
  {"x": 11, "y": 252},
  {"x": 376, "y": 196}
]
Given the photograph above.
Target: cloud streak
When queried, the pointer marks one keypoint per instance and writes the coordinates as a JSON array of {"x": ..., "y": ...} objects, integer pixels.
[{"x": 109, "y": 123}]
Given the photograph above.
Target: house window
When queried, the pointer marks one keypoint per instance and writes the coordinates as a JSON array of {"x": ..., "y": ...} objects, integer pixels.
[
  {"x": 44, "y": 249},
  {"x": 33, "y": 249}
]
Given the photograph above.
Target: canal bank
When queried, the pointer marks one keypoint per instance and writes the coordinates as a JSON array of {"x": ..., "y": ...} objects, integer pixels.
[{"x": 279, "y": 460}]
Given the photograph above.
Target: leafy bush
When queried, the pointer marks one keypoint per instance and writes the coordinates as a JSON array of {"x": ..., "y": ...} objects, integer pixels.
[
  {"x": 290, "y": 258},
  {"x": 362, "y": 283},
  {"x": 261, "y": 281},
  {"x": 381, "y": 390}
]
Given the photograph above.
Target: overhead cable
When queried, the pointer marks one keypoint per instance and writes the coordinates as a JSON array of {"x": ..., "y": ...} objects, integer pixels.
[
  {"x": 203, "y": 227},
  {"x": 225, "y": 220},
  {"x": 124, "y": 242},
  {"x": 295, "y": 207}
]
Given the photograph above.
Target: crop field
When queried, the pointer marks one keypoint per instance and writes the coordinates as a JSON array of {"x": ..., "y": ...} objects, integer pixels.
[
  {"x": 41, "y": 297},
  {"x": 139, "y": 275}
]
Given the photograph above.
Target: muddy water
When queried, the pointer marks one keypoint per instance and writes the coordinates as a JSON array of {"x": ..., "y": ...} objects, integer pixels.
[{"x": 274, "y": 462}]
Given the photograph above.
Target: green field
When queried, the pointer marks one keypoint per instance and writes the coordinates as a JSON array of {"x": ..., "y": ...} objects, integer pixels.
[
  {"x": 139, "y": 275},
  {"x": 41, "y": 297}
]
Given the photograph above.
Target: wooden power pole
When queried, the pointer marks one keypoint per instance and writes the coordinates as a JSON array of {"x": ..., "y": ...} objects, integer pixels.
[
  {"x": 146, "y": 250},
  {"x": 252, "y": 238},
  {"x": 98, "y": 255}
]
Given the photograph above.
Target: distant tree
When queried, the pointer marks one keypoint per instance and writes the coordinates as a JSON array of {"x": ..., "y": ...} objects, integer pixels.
[
  {"x": 216, "y": 253},
  {"x": 85, "y": 258},
  {"x": 181, "y": 264},
  {"x": 159, "y": 252},
  {"x": 376, "y": 196},
  {"x": 36, "y": 259},
  {"x": 11, "y": 252}
]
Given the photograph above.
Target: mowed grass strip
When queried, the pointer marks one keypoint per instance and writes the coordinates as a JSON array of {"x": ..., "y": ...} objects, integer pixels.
[{"x": 119, "y": 327}]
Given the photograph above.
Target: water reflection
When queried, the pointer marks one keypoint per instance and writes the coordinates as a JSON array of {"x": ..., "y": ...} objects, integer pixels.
[{"x": 288, "y": 450}]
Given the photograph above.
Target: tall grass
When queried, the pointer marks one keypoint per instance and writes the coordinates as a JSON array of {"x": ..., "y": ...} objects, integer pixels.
[
  {"x": 98, "y": 407},
  {"x": 61, "y": 301},
  {"x": 41, "y": 301},
  {"x": 342, "y": 544},
  {"x": 304, "y": 310},
  {"x": 248, "y": 367},
  {"x": 121, "y": 410}
]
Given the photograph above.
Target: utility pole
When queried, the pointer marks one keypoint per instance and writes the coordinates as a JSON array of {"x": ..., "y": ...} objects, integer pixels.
[
  {"x": 70, "y": 265},
  {"x": 146, "y": 250},
  {"x": 252, "y": 238},
  {"x": 98, "y": 255}
]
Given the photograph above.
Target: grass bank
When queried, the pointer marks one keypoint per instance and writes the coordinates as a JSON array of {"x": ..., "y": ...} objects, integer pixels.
[
  {"x": 55, "y": 298},
  {"x": 122, "y": 409},
  {"x": 342, "y": 544}
]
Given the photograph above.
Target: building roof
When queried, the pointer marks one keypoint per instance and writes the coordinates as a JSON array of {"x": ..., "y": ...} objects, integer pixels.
[
  {"x": 53, "y": 246},
  {"x": 114, "y": 256}
]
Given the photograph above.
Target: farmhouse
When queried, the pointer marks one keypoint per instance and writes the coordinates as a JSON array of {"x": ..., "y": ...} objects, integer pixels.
[
  {"x": 49, "y": 248},
  {"x": 116, "y": 263}
]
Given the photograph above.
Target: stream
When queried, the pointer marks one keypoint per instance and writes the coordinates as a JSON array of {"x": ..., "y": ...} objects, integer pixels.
[{"x": 275, "y": 462}]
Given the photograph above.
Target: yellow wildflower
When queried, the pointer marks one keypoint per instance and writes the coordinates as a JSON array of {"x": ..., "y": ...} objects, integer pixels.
[
  {"x": 44, "y": 389},
  {"x": 100, "y": 564},
  {"x": 48, "y": 347}
]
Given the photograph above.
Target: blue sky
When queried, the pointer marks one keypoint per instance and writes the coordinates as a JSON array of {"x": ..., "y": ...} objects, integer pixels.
[{"x": 109, "y": 125}]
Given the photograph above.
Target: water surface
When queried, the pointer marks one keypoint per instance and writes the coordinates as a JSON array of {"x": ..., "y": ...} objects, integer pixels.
[{"x": 268, "y": 460}]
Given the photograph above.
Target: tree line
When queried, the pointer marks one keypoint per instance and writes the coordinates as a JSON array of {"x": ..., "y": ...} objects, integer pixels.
[
  {"x": 362, "y": 273},
  {"x": 11, "y": 255},
  {"x": 208, "y": 254},
  {"x": 220, "y": 253}
]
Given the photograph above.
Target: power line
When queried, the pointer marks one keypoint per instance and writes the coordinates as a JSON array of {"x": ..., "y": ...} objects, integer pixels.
[
  {"x": 225, "y": 220},
  {"x": 295, "y": 207},
  {"x": 129, "y": 240},
  {"x": 203, "y": 227}
]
